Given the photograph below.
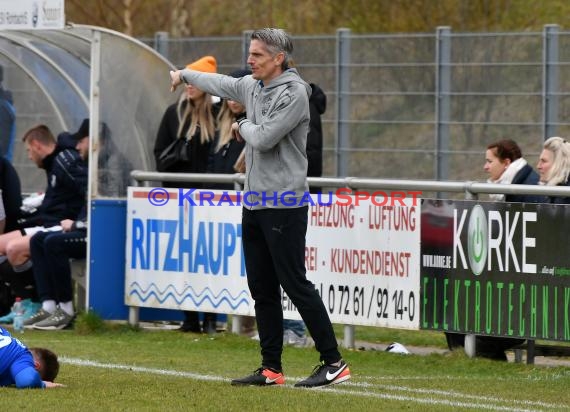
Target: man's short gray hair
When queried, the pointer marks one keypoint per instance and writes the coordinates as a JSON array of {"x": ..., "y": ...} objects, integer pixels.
[{"x": 277, "y": 41}]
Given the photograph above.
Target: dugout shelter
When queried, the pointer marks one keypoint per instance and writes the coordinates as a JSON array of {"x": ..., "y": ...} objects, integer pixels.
[{"x": 59, "y": 77}]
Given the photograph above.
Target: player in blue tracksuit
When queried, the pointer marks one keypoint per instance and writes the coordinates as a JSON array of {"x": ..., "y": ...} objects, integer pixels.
[{"x": 26, "y": 368}]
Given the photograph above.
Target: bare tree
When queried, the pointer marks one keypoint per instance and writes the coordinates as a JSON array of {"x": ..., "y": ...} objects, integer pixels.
[{"x": 143, "y": 18}]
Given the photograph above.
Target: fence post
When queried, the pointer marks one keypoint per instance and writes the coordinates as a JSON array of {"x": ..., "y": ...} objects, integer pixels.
[
  {"x": 245, "y": 40},
  {"x": 134, "y": 311},
  {"x": 442, "y": 101},
  {"x": 342, "y": 125},
  {"x": 470, "y": 343},
  {"x": 161, "y": 43},
  {"x": 550, "y": 62},
  {"x": 342, "y": 100}
]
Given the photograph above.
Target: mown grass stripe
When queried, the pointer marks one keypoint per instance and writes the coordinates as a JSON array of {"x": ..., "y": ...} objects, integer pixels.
[{"x": 481, "y": 402}]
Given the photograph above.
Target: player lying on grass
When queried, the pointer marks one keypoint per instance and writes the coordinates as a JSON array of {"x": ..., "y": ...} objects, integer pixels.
[{"x": 26, "y": 368}]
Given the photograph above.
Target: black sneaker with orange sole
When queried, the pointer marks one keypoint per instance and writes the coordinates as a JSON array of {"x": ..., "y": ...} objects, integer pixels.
[
  {"x": 326, "y": 375},
  {"x": 261, "y": 377}
]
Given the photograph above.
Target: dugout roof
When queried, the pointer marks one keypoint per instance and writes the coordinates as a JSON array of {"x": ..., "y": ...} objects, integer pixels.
[{"x": 59, "y": 77}]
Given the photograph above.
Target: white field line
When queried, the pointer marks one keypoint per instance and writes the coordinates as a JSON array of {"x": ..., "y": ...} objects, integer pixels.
[
  {"x": 439, "y": 392},
  {"x": 433, "y": 401},
  {"x": 530, "y": 378},
  {"x": 362, "y": 389},
  {"x": 166, "y": 372}
]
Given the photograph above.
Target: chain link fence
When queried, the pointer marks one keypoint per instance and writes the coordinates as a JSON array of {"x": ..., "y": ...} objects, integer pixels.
[{"x": 420, "y": 106}]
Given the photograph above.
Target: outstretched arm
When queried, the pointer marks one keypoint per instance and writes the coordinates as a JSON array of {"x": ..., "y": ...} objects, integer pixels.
[
  {"x": 28, "y": 378},
  {"x": 216, "y": 84}
]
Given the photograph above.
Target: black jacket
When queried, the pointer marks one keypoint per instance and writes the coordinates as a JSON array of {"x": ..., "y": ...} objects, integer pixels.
[
  {"x": 223, "y": 160},
  {"x": 525, "y": 176},
  {"x": 197, "y": 152},
  {"x": 561, "y": 200},
  {"x": 317, "y": 107},
  {"x": 11, "y": 193},
  {"x": 66, "y": 186}
]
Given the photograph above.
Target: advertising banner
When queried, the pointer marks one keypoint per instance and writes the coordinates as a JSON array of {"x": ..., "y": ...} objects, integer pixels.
[
  {"x": 364, "y": 260},
  {"x": 185, "y": 252},
  {"x": 32, "y": 14},
  {"x": 497, "y": 269}
]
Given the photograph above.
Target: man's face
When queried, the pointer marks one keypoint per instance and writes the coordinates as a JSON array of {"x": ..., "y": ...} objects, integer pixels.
[
  {"x": 82, "y": 147},
  {"x": 33, "y": 150},
  {"x": 264, "y": 66}
]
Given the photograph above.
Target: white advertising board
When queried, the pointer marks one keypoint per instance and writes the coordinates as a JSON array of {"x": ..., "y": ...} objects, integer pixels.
[
  {"x": 32, "y": 14},
  {"x": 363, "y": 258}
]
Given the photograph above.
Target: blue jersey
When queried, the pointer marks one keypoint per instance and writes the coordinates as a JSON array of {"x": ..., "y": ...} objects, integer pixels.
[{"x": 17, "y": 363}]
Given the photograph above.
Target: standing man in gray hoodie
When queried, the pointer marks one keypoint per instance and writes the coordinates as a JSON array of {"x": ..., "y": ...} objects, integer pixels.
[{"x": 274, "y": 219}]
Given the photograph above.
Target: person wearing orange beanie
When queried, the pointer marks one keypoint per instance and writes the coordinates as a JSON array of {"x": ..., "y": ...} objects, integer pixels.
[
  {"x": 206, "y": 64},
  {"x": 192, "y": 118}
]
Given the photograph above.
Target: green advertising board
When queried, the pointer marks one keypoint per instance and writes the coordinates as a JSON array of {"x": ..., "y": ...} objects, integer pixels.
[{"x": 496, "y": 269}]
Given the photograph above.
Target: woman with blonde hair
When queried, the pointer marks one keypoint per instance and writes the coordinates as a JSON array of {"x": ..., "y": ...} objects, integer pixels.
[
  {"x": 554, "y": 166},
  {"x": 193, "y": 119},
  {"x": 226, "y": 149}
]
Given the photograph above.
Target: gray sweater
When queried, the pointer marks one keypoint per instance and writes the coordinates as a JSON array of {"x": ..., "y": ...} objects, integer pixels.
[{"x": 275, "y": 132}]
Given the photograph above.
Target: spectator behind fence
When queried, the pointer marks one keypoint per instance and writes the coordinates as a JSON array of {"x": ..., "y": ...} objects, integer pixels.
[
  {"x": 554, "y": 166},
  {"x": 317, "y": 107},
  {"x": 64, "y": 198},
  {"x": 7, "y": 120},
  {"x": 275, "y": 132},
  {"x": 226, "y": 149},
  {"x": 51, "y": 251},
  {"x": 193, "y": 120},
  {"x": 505, "y": 165},
  {"x": 26, "y": 368}
]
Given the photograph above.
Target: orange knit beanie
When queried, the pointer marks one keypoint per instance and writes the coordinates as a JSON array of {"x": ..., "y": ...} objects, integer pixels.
[{"x": 206, "y": 64}]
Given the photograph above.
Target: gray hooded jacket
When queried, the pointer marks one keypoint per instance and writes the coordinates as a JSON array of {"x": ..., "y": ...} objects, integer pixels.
[{"x": 275, "y": 132}]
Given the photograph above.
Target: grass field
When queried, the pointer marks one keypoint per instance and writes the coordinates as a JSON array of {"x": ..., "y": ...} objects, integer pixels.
[{"x": 116, "y": 368}]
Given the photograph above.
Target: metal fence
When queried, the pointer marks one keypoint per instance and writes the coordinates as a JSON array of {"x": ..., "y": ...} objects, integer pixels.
[{"x": 420, "y": 106}]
